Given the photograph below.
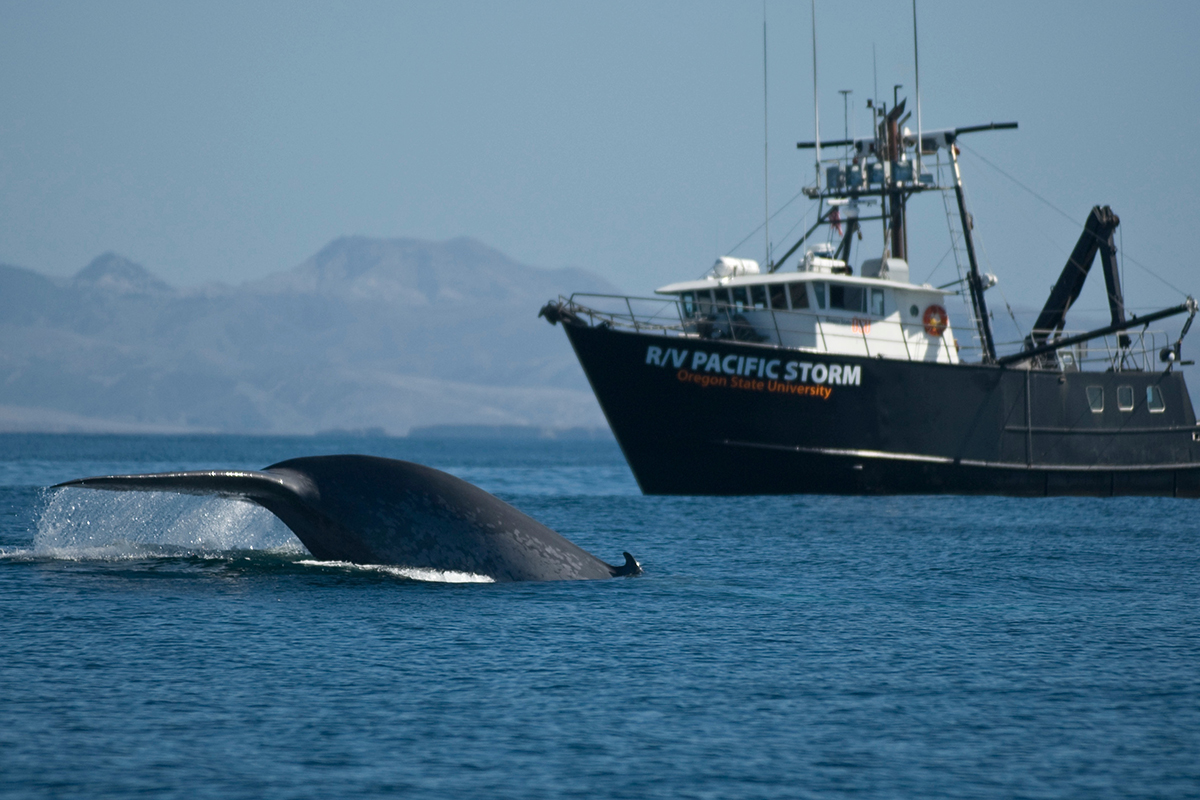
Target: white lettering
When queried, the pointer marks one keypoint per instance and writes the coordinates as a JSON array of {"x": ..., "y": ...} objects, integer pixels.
[
  {"x": 851, "y": 376},
  {"x": 714, "y": 363},
  {"x": 677, "y": 358},
  {"x": 805, "y": 366},
  {"x": 697, "y": 359},
  {"x": 835, "y": 373},
  {"x": 654, "y": 356},
  {"x": 772, "y": 369},
  {"x": 762, "y": 363},
  {"x": 819, "y": 373},
  {"x": 790, "y": 373},
  {"x": 741, "y": 370},
  {"x": 751, "y": 363},
  {"x": 726, "y": 367}
]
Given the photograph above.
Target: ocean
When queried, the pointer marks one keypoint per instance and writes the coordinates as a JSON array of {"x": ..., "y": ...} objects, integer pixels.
[{"x": 808, "y": 646}]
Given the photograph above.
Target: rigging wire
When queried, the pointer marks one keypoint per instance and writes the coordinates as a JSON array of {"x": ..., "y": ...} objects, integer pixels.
[
  {"x": 929, "y": 277},
  {"x": 1067, "y": 216},
  {"x": 1011, "y": 315},
  {"x": 773, "y": 216},
  {"x": 803, "y": 221}
]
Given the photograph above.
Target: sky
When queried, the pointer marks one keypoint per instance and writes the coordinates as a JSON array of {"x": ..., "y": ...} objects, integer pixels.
[{"x": 225, "y": 141}]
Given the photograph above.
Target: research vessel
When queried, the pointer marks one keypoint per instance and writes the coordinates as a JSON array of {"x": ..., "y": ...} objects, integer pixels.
[{"x": 807, "y": 375}]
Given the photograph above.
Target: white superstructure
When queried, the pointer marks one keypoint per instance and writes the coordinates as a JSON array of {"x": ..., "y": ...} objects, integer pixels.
[{"x": 821, "y": 307}]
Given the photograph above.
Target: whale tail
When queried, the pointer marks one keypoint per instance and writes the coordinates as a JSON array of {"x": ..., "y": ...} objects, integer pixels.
[{"x": 370, "y": 510}]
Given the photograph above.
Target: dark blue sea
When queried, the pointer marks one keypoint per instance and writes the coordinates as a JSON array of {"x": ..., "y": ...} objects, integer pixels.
[{"x": 931, "y": 647}]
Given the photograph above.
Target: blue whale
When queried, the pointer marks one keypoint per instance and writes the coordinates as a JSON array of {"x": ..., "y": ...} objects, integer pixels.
[{"x": 370, "y": 510}]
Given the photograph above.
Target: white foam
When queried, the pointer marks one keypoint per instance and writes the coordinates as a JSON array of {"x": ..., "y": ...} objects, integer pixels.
[
  {"x": 88, "y": 525},
  {"x": 411, "y": 573},
  {"x": 85, "y": 524}
]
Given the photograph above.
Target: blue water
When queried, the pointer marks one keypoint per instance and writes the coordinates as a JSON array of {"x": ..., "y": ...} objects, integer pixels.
[{"x": 775, "y": 647}]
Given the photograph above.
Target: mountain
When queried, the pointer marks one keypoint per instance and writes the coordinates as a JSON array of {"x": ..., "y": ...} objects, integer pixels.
[
  {"x": 368, "y": 333},
  {"x": 113, "y": 273}
]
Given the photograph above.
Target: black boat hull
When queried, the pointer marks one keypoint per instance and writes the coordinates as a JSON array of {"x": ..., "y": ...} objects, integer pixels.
[{"x": 698, "y": 416}]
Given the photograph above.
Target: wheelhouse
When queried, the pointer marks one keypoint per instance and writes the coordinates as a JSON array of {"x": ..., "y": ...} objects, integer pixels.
[{"x": 820, "y": 307}]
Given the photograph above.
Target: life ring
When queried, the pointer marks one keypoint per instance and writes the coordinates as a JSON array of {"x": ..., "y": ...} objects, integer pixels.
[{"x": 936, "y": 320}]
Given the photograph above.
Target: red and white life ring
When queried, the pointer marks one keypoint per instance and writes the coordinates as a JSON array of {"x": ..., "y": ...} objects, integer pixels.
[{"x": 936, "y": 319}]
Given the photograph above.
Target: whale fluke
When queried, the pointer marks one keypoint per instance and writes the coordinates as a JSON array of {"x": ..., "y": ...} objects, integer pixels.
[{"x": 371, "y": 510}]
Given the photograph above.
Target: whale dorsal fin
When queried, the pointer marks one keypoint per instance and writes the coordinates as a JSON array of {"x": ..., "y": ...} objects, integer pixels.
[{"x": 630, "y": 567}]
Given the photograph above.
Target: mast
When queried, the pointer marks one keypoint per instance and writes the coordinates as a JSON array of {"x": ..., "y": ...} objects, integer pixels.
[
  {"x": 917, "y": 69},
  {"x": 816, "y": 105},
  {"x": 766, "y": 169},
  {"x": 894, "y": 148},
  {"x": 974, "y": 280}
]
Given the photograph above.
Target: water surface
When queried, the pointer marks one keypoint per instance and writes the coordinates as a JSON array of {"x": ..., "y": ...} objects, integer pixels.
[{"x": 775, "y": 647}]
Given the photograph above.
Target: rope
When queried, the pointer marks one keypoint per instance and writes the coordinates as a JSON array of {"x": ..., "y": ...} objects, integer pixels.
[{"x": 1068, "y": 217}]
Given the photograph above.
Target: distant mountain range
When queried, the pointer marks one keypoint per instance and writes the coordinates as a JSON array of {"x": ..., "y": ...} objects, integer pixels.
[{"x": 366, "y": 334}]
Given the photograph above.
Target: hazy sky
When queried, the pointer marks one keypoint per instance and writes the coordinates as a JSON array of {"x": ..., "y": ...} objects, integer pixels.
[{"x": 224, "y": 141}]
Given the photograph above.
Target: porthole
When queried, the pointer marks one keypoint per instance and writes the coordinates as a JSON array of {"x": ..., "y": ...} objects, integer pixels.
[
  {"x": 914, "y": 311},
  {"x": 1154, "y": 400},
  {"x": 1125, "y": 398},
  {"x": 1095, "y": 397}
]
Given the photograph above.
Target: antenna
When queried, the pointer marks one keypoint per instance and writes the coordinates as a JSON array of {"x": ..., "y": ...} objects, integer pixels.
[
  {"x": 917, "y": 69},
  {"x": 766, "y": 171},
  {"x": 875, "y": 76},
  {"x": 816, "y": 105},
  {"x": 845, "y": 93}
]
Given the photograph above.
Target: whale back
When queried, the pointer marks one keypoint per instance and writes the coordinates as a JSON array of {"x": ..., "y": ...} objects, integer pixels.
[{"x": 410, "y": 514}]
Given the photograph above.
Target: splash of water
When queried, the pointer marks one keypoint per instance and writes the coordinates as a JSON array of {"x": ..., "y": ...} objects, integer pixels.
[
  {"x": 81, "y": 524},
  {"x": 411, "y": 573},
  {"x": 84, "y": 524}
]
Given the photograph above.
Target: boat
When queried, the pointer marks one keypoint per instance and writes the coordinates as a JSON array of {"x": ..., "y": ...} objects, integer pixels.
[{"x": 808, "y": 375}]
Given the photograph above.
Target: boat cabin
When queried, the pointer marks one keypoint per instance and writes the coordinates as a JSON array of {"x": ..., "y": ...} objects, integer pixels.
[{"x": 821, "y": 306}]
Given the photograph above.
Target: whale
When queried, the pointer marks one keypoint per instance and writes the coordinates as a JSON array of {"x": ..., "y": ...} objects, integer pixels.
[{"x": 372, "y": 510}]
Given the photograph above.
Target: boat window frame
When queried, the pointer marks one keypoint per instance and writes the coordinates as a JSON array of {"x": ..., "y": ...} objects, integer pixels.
[
  {"x": 819, "y": 291},
  {"x": 1155, "y": 401},
  {"x": 1092, "y": 393},
  {"x": 777, "y": 298},
  {"x": 757, "y": 294},
  {"x": 798, "y": 289},
  {"x": 743, "y": 303},
  {"x": 838, "y": 289},
  {"x": 687, "y": 304},
  {"x": 882, "y": 310},
  {"x": 1121, "y": 405}
]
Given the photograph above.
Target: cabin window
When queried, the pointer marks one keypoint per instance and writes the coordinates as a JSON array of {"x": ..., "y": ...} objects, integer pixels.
[
  {"x": 850, "y": 298},
  {"x": 778, "y": 296},
  {"x": 799, "y": 295},
  {"x": 1095, "y": 396},
  {"x": 758, "y": 296},
  {"x": 704, "y": 302},
  {"x": 722, "y": 295},
  {"x": 740, "y": 297},
  {"x": 1154, "y": 400},
  {"x": 819, "y": 290},
  {"x": 877, "y": 302},
  {"x": 1125, "y": 398},
  {"x": 687, "y": 302}
]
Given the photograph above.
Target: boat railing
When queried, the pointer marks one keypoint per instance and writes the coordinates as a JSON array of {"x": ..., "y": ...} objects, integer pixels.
[
  {"x": 815, "y": 331},
  {"x": 1106, "y": 352}
]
